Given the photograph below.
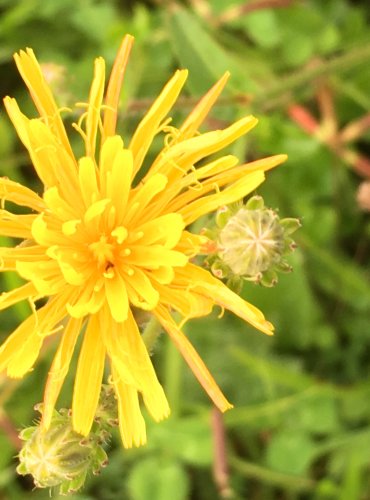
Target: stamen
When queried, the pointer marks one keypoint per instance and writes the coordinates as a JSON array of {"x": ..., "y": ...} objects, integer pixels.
[
  {"x": 50, "y": 332},
  {"x": 111, "y": 216},
  {"x": 120, "y": 234},
  {"x": 79, "y": 130}
]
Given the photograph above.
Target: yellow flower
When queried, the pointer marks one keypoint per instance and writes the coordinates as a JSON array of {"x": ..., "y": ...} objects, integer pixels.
[{"x": 105, "y": 239}]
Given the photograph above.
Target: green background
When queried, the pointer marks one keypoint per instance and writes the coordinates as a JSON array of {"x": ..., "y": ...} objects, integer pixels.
[{"x": 300, "y": 428}]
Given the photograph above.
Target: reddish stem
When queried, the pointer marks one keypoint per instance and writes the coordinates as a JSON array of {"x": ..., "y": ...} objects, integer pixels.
[
  {"x": 7, "y": 426},
  {"x": 220, "y": 465},
  {"x": 300, "y": 115}
]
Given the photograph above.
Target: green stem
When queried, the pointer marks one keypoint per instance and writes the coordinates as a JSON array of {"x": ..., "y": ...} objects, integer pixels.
[
  {"x": 173, "y": 376},
  {"x": 268, "y": 476},
  {"x": 151, "y": 333},
  {"x": 346, "y": 61}
]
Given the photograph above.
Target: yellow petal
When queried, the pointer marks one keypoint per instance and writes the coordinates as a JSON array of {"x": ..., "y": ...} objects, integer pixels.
[
  {"x": 53, "y": 164},
  {"x": 201, "y": 110},
  {"x": 144, "y": 290},
  {"x": 10, "y": 256},
  {"x": 191, "y": 244},
  {"x": 141, "y": 365},
  {"x": 41, "y": 94},
  {"x": 219, "y": 178},
  {"x": 58, "y": 205},
  {"x": 88, "y": 181},
  {"x": 235, "y": 192},
  {"x": 18, "y": 119},
  {"x": 20, "y": 195},
  {"x": 119, "y": 182},
  {"x": 163, "y": 274},
  {"x": 187, "y": 153},
  {"x": 24, "y": 292},
  {"x": 203, "y": 282},
  {"x": 44, "y": 274},
  {"x": 132, "y": 363},
  {"x": 15, "y": 342},
  {"x": 108, "y": 152},
  {"x": 88, "y": 378},
  {"x": 192, "y": 358},
  {"x": 59, "y": 369},
  {"x": 87, "y": 300},
  {"x": 95, "y": 210},
  {"x": 131, "y": 422},
  {"x": 44, "y": 235},
  {"x": 165, "y": 230},
  {"x": 20, "y": 350},
  {"x": 114, "y": 86},
  {"x": 154, "y": 256},
  {"x": 94, "y": 106},
  {"x": 148, "y": 127},
  {"x": 17, "y": 226},
  {"x": 187, "y": 302},
  {"x": 142, "y": 196},
  {"x": 117, "y": 298}
]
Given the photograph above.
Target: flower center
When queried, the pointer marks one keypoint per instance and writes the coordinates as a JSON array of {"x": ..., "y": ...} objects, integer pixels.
[{"x": 102, "y": 251}]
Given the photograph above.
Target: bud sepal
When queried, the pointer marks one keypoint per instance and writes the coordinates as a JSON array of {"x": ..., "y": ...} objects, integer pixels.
[
  {"x": 60, "y": 457},
  {"x": 250, "y": 243}
]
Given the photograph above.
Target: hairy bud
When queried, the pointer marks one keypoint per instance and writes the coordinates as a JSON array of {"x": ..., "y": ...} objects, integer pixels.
[
  {"x": 59, "y": 456},
  {"x": 251, "y": 242}
]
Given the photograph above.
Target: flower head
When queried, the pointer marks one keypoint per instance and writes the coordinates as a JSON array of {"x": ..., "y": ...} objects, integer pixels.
[{"x": 105, "y": 239}]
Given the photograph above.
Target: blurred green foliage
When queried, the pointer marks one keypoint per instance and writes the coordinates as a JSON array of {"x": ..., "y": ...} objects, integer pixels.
[{"x": 300, "y": 428}]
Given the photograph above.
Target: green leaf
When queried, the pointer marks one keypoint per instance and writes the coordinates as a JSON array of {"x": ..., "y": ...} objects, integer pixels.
[
  {"x": 290, "y": 451},
  {"x": 158, "y": 479},
  {"x": 317, "y": 414},
  {"x": 338, "y": 275},
  {"x": 262, "y": 28},
  {"x": 188, "y": 439},
  {"x": 198, "y": 51}
]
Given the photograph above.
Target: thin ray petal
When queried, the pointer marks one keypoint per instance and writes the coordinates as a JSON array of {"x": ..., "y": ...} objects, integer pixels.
[
  {"x": 20, "y": 195},
  {"x": 202, "y": 281},
  {"x": 94, "y": 106},
  {"x": 114, "y": 86},
  {"x": 148, "y": 126},
  {"x": 201, "y": 110},
  {"x": 192, "y": 358},
  {"x": 88, "y": 378},
  {"x": 30, "y": 70},
  {"x": 59, "y": 369},
  {"x": 235, "y": 192},
  {"x": 117, "y": 297},
  {"x": 24, "y": 292},
  {"x": 131, "y": 422}
]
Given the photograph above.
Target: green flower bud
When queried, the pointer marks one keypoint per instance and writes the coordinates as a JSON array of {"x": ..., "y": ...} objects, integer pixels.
[
  {"x": 251, "y": 243},
  {"x": 59, "y": 456}
]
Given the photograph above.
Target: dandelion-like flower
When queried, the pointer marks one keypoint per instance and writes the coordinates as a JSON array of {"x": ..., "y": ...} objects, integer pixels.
[{"x": 104, "y": 240}]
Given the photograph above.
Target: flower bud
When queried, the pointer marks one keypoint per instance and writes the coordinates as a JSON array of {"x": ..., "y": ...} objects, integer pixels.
[
  {"x": 59, "y": 456},
  {"x": 251, "y": 243}
]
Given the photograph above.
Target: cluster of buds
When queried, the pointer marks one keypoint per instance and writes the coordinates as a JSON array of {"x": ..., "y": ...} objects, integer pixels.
[
  {"x": 250, "y": 243},
  {"x": 59, "y": 456}
]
